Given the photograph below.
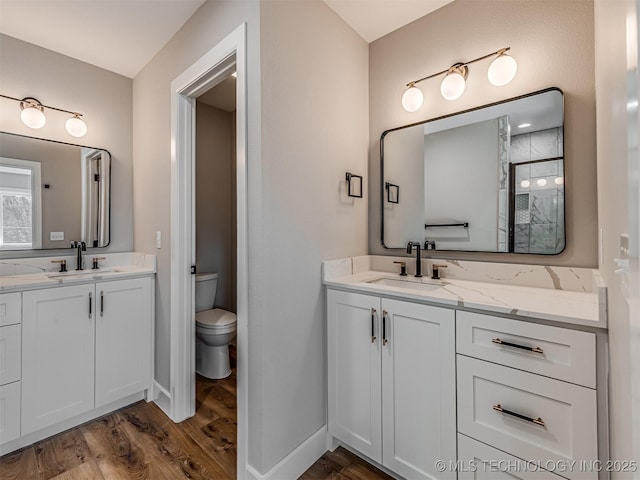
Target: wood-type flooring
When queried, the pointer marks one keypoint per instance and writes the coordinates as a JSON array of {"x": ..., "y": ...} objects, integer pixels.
[{"x": 139, "y": 442}]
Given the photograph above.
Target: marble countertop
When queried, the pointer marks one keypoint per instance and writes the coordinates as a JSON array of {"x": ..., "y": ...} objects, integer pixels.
[
  {"x": 18, "y": 275},
  {"x": 581, "y": 306}
]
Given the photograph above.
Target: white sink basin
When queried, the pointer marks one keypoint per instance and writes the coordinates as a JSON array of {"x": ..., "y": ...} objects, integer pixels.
[
  {"x": 83, "y": 273},
  {"x": 428, "y": 285}
]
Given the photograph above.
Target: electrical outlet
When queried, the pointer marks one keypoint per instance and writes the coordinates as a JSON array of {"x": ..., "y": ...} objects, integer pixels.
[
  {"x": 624, "y": 246},
  {"x": 158, "y": 239},
  {"x": 56, "y": 236}
]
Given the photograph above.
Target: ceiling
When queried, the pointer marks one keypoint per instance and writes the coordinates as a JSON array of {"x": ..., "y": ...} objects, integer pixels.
[
  {"x": 120, "y": 36},
  {"x": 222, "y": 96},
  {"x": 123, "y": 35},
  {"x": 373, "y": 19}
]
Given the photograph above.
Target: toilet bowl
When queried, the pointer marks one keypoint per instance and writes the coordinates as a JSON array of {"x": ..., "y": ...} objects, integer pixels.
[{"x": 215, "y": 328}]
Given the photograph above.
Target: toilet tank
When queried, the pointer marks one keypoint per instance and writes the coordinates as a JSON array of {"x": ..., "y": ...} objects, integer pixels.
[{"x": 206, "y": 284}]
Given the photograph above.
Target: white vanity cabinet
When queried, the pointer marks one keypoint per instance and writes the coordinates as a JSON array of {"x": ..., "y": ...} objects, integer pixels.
[
  {"x": 10, "y": 333},
  {"x": 84, "y": 346},
  {"x": 392, "y": 382},
  {"x": 529, "y": 390}
]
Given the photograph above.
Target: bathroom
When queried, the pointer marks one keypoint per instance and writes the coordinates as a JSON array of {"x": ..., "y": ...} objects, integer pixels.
[{"x": 318, "y": 98}]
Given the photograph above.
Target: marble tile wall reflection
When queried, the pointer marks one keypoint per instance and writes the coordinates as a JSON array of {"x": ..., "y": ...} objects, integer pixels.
[
  {"x": 504, "y": 146},
  {"x": 543, "y": 230}
]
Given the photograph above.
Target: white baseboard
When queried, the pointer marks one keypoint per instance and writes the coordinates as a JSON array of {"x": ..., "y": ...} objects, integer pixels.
[
  {"x": 298, "y": 461},
  {"x": 162, "y": 398}
]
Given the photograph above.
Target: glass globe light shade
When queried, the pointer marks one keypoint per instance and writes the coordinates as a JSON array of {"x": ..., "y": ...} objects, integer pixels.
[
  {"x": 76, "y": 127},
  {"x": 559, "y": 180},
  {"x": 452, "y": 87},
  {"x": 525, "y": 183},
  {"x": 541, "y": 182},
  {"x": 32, "y": 117},
  {"x": 502, "y": 70},
  {"x": 412, "y": 99}
]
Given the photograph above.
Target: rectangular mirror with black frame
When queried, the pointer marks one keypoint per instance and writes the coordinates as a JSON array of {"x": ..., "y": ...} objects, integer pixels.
[
  {"x": 490, "y": 179},
  {"x": 52, "y": 193}
]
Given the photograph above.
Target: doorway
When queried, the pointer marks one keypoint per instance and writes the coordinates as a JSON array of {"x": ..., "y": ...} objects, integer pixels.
[{"x": 211, "y": 69}]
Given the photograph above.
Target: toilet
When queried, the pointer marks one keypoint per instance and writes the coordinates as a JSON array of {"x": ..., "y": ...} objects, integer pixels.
[{"x": 215, "y": 328}]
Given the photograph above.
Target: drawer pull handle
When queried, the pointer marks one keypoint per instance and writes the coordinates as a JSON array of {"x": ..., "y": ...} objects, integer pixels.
[
  {"x": 373, "y": 332},
  {"x": 537, "y": 421},
  {"x": 384, "y": 328},
  {"x": 515, "y": 345}
]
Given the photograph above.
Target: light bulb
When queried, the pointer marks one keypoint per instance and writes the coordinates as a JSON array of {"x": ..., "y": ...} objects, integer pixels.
[
  {"x": 502, "y": 70},
  {"x": 541, "y": 182},
  {"x": 525, "y": 183},
  {"x": 76, "y": 126},
  {"x": 452, "y": 87},
  {"x": 412, "y": 99},
  {"x": 559, "y": 180},
  {"x": 32, "y": 117}
]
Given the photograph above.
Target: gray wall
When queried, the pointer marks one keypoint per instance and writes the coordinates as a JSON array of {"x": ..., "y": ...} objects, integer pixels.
[
  {"x": 215, "y": 200},
  {"x": 103, "y": 97},
  {"x": 313, "y": 112},
  {"x": 314, "y": 129},
  {"x": 551, "y": 41},
  {"x": 613, "y": 205}
]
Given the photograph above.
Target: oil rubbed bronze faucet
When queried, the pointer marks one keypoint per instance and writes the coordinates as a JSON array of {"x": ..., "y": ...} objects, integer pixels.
[
  {"x": 410, "y": 247},
  {"x": 82, "y": 247}
]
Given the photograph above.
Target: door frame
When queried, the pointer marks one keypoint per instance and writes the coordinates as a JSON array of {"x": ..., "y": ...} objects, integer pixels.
[{"x": 228, "y": 55}]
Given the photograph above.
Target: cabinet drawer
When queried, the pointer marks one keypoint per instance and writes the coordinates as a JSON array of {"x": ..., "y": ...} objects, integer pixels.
[
  {"x": 10, "y": 341},
  {"x": 9, "y": 412},
  {"x": 10, "y": 308},
  {"x": 567, "y": 412},
  {"x": 482, "y": 462},
  {"x": 560, "y": 353}
]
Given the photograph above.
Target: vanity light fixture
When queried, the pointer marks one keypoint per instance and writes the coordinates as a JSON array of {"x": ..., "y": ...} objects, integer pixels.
[
  {"x": 32, "y": 115},
  {"x": 501, "y": 71}
]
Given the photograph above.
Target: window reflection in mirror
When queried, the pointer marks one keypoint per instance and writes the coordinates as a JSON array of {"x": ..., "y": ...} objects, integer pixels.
[
  {"x": 489, "y": 179},
  {"x": 52, "y": 193}
]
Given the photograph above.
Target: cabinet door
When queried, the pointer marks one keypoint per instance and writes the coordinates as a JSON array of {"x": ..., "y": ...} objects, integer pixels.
[
  {"x": 354, "y": 371},
  {"x": 57, "y": 356},
  {"x": 418, "y": 389},
  {"x": 123, "y": 338},
  {"x": 9, "y": 412}
]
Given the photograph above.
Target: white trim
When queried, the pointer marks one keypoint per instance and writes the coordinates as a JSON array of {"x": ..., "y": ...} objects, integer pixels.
[
  {"x": 160, "y": 396},
  {"x": 206, "y": 72},
  {"x": 36, "y": 198},
  {"x": 298, "y": 461}
]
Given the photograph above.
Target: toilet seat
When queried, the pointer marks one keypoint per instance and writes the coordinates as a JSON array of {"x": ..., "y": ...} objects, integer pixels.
[{"x": 216, "y": 320}]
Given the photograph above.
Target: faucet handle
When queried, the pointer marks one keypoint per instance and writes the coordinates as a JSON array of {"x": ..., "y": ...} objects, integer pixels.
[
  {"x": 63, "y": 265},
  {"x": 403, "y": 268},
  {"x": 95, "y": 262},
  {"x": 436, "y": 271}
]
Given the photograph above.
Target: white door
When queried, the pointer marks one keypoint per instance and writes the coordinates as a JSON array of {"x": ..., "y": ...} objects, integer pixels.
[
  {"x": 123, "y": 338},
  {"x": 354, "y": 371},
  {"x": 418, "y": 389},
  {"x": 57, "y": 356}
]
